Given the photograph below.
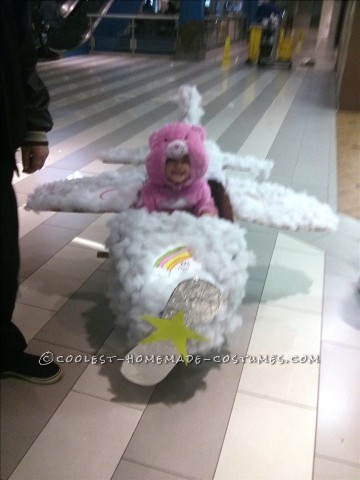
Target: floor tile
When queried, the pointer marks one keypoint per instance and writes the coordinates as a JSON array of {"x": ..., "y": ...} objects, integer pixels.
[
  {"x": 341, "y": 318},
  {"x": 309, "y": 177},
  {"x": 253, "y": 228},
  {"x": 104, "y": 380},
  {"x": 85, "y": 321},
  {"x": 338, "y": 432},
  {"x": 218, "y": 124},
  {"x": 84, "y": 439},
  {"x": 184, "y": 412},
  {"x": 83, "y": 139},
  {"x": 327, "y": 469},
  {"x": 269, "y": 125},
  {"x": 253, "y": 292},
  {"x": 315, "y": 189},
  {"x": 57, "y": 280},
  {"x": 40, "y": 245},
  {"x": 262, "y": 244},
  {"x": 337, "y": 266},
  {"x": 308, "y": 237},
  {"x": 131, "y": 471},
  {"x": 30, "y": 319},
  {"x": 26, "y": 408},
  {"x": 73, "y": 221},
  {"x": 267, "y": 440},
  {"x": 28, "y": 221},
  {"x": 105, "y": 266},
  {"x": 349, "y": 227},
  {"x": 98, "y": 166},
  {"x": 292, "y": 244},
  {"x": 295, "y": 281},
  {"x": 234, "y": 137},
  {"x": 285, "y": 346},
  {"x": 342, "y": 246},
  {"x": 21, "y": 198},
  {"x": 47, "y": 174},
  {"x": 238, "y": 342},
  {"x": 94, "y": 237}
]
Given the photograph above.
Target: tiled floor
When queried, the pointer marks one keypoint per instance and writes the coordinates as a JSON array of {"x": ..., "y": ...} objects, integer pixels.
[{"x": 232, "y": 420}]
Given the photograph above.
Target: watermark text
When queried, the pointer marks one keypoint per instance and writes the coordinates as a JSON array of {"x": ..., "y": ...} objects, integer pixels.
[{"x": 48, "y": 357}]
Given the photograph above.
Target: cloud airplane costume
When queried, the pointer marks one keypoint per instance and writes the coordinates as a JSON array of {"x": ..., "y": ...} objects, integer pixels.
[{"x": 163, "y": 264}]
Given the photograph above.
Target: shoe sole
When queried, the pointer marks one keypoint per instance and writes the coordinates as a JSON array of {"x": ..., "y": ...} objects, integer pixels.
[
  {"x": 39, "y": 381},
  {"x": 198, "y": 299}
]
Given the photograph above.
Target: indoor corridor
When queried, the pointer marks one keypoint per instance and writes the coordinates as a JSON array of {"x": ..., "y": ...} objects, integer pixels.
[{"x": 236, "y": 421}]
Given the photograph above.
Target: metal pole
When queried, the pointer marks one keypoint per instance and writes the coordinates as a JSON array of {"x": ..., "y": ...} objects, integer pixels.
[
  {"x": 132, "y": 35},
  {"x": 91, "y": 35}
]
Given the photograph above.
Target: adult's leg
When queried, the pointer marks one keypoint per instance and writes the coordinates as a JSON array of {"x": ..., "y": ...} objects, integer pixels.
[
  {"x": 12, "y": 340},
  {"x": 14, "y": 361}
]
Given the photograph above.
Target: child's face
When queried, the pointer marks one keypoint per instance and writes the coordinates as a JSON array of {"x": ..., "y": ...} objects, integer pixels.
[{"x": 177, "y": 170}]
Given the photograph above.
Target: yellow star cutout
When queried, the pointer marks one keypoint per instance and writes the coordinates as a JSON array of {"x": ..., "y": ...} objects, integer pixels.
[{"x": 173, "y": 329}]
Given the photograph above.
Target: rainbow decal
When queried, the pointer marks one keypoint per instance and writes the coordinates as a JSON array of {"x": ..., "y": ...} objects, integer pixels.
[{"x": 170, "y": 259}]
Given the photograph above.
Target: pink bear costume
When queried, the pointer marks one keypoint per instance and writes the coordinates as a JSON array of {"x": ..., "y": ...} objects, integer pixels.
[{"x": 158, "y": 193}]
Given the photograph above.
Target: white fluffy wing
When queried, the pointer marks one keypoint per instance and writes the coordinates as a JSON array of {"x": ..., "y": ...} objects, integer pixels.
[
  {"x": 107, "y": 192},
  {"x": 128, "y": 156},
  {"x": 276, "y": 206}
]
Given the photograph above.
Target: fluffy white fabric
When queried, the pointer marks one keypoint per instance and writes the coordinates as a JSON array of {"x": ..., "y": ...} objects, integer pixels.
[
  {"x": 107, "y": 192},
  {"x": 220, "y": 161},
  {"x": 189, "y": 104},
  {"x": 127, "y": 156},
  {"x": 264, "y": 203},
  {"x": 136, "y": 288},
  {"x": 277, "y": 206}
]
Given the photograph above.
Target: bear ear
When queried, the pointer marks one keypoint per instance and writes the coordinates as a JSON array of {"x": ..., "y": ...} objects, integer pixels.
[
  {"x": 153, "y": 139},
  {"x": 200, "y": 131}
]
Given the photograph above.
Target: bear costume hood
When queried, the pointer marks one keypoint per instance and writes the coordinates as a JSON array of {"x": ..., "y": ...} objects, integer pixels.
[{"x": 173, "y": 141}]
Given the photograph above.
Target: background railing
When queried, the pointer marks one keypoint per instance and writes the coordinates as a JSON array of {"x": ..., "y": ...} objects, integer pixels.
[
  {"x": 217, "y": 28},
  {"x": 135, "y": 33},
  {"x": 160, "y": 33}
]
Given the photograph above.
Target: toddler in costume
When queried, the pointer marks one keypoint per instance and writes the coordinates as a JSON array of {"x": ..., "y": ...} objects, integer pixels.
[{"x": 176, "y": 166}]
